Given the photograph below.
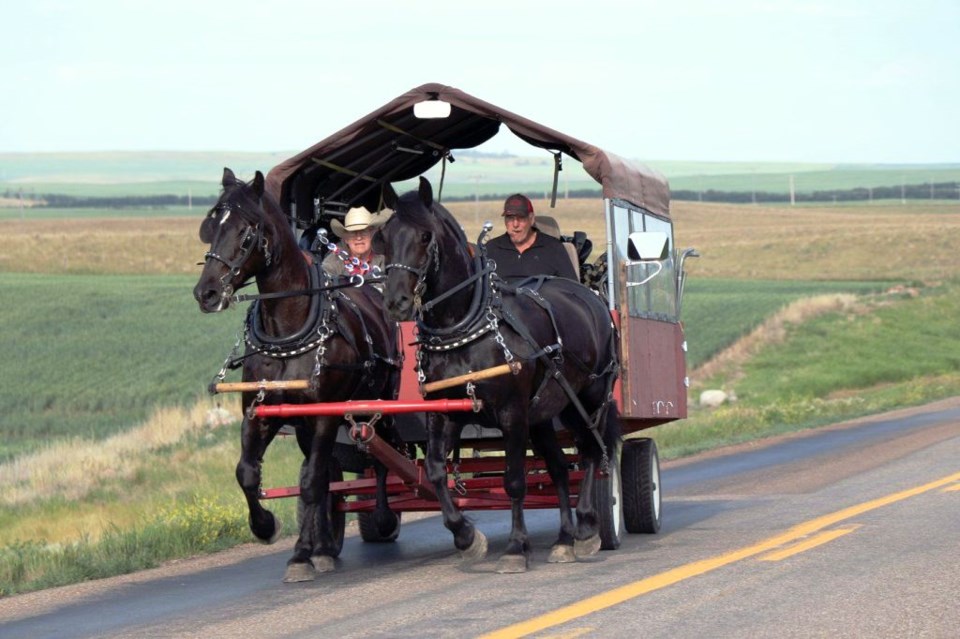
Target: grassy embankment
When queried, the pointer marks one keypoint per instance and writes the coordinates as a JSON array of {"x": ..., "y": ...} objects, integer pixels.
[{"x": 165, "y": 487}]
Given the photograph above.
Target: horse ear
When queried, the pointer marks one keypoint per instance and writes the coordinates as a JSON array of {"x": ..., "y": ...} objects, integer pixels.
[
  {"x": 229, "y": 178},
  {"x": 258, "y": 184},
  {"x": 389, "y": 196},
  {"x": 426, "y": 192}
]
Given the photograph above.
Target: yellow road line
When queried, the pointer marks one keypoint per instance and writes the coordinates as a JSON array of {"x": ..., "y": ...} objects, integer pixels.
[
  {"x": 951, "y": 488},
  {"x": 807, "y": 544},
  {"x": 656, "y": 582}
]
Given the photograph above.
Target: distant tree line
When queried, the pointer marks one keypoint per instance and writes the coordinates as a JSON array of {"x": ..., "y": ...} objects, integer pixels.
[
  {"x": 61, "y": 201},
  {"x": 938, "y": 191}
]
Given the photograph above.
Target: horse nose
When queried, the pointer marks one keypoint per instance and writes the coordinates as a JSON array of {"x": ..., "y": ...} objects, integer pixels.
[
  {"x": 207, "y": 298},
  {"x": 399, "y": 308}
]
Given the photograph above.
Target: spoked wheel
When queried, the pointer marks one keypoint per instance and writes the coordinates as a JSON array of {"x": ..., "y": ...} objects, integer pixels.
[
  {"x": 370, "y": 532},
  {"x": 338, "y": 518},
  {"x": 640, "y": 467},
  {"x": 608, "y": 496}
]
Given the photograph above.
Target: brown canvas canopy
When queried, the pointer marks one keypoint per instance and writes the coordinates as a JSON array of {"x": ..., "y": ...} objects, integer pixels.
[{"x": 392, "y": 144}]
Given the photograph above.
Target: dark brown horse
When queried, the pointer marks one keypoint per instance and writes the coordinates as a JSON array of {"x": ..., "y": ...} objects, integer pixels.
[
  {"x": 469, "y": 320},
  {"x": 340, "y": 340}
]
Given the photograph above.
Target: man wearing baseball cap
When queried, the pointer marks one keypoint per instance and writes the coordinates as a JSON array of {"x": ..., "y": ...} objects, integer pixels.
[{"x": 523, "y": 250}]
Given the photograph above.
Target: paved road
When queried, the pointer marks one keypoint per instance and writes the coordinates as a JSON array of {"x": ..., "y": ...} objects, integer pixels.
[{"x": 847, "y": 531}]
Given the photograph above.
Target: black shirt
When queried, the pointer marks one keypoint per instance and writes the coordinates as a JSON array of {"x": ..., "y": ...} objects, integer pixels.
[{"x": 546, "y": 256}]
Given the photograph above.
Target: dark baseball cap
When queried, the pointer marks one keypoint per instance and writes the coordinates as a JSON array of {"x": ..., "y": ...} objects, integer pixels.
[{"x": 518, "y": 205}]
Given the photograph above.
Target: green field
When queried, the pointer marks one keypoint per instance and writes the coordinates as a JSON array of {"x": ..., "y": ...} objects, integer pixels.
[
  {"x": 97, "y": 353},
  {"x": 718, "y": 312},
  {"x": 89, "y": 356}
]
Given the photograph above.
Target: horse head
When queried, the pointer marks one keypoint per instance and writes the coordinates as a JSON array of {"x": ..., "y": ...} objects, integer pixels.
[
  {"x": 242, "y": 239},
  {"x": 410, "y": 249}
]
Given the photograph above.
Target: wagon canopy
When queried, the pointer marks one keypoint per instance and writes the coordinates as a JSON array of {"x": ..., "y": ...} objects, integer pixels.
[{"x": 392, "y": 144}]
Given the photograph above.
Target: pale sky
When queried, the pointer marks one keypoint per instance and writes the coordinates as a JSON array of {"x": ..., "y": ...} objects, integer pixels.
[{"x": 872, "y": 81}]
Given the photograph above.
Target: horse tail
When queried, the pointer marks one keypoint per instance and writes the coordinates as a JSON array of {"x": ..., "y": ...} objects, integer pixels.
[{"x": 612, "y": 431}]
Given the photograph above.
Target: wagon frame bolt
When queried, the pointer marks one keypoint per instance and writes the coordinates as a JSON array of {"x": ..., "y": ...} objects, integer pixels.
[{"x": 362, "y": 432}]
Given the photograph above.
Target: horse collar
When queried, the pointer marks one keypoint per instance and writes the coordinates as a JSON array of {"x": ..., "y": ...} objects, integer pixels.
[{"x": 310, "y": 335}]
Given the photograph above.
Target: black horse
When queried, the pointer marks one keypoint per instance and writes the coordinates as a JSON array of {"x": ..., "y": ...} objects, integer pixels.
[
  {"x": 468, "y": 320},
  {"x": 339, "y": 339}
]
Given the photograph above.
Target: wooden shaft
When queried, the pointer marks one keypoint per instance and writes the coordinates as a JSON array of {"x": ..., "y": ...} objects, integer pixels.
[
  {"x": 282, "y": 384},
  {"x": 486, "y": 373}
]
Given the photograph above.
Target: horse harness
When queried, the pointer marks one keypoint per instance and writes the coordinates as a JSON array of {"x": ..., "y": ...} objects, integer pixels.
[
  {"x": 323, "y": 322},
  {"x": 485, "y": 315}
]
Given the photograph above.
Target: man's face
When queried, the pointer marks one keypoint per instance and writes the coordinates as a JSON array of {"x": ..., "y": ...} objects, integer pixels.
[
  {"x": 519, "y": 228},
  {"x": 358, "y": 242}
]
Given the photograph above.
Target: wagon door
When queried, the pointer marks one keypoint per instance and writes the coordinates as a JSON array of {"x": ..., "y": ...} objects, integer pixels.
[{"x": 653, "y": 383}]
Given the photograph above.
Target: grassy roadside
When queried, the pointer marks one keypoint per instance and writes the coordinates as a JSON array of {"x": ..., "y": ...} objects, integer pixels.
[{"x": 846, "y": 358}]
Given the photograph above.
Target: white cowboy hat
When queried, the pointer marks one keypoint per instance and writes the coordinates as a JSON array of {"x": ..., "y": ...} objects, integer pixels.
[{"x": 357, "y": 219}]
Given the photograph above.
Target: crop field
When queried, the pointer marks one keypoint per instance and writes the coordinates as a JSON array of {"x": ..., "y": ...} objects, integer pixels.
[{"x": 105, "y": 327}]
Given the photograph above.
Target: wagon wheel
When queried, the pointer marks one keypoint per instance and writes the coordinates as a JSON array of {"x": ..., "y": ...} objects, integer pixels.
[
  {"x": 640, "y": 468},
  {"x": 338, "y": 518},
  {"x": 608, "y": 497},
  {"x": 370, "y": 532}
]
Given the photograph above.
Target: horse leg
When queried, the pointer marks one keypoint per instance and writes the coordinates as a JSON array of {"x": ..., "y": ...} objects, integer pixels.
[
  {"x": 516, "y": 557},
  {"x": 587, "y": 541},
  {"x": 253, "y": 443},
  {"x": 325, "y": 549},
  {"x": 471, "y": 543},
  {"x": 544, "y": 440},
  {"x": 314, "y": 550},
  {"x": 385, "y": 520}
]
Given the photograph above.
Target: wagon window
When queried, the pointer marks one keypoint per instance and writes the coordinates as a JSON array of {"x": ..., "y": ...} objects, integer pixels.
[{"x": 657, "y": 299}]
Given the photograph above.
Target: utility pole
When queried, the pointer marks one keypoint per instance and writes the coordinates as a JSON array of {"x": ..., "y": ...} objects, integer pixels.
[{"x": 793, "y": 196}]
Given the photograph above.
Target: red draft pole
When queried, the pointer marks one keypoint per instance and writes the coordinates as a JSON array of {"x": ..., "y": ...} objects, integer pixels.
[{"x": 384, "y": 407}]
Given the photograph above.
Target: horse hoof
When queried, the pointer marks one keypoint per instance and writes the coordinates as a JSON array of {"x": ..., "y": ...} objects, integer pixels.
[
  {"x": 561, "y": 554},
  {"x": 275, "y": 535},
  {"x": 587, "y": 547},
  {"x": 323, "y": 563},
  {"x": 509, "y": 564},
  {"x": 299, "y": 572},
  {"x": 477, "y": 550}
]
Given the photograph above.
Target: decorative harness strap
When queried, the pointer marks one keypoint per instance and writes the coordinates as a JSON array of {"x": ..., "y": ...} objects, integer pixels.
[{"x": 323, "y": 321}]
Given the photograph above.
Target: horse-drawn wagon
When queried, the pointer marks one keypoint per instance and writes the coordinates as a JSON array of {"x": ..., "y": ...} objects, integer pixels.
[{"x": 462, "y": 407}]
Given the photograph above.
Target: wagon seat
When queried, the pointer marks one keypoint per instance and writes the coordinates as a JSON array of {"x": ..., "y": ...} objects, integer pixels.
[{"x": 548, "y": 225}]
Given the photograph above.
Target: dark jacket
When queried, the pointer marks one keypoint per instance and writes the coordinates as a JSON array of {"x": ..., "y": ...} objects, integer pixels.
[{"x": 545, "y": 257}]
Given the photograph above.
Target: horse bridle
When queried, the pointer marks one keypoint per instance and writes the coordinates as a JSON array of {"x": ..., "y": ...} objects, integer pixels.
[
  {"x": 252, "y": 237},
  {"x": 480, "y": 297},
  {"x": 432, "y": 258}
]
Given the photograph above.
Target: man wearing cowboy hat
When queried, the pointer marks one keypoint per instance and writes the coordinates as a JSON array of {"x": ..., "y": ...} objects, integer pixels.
[{"x": 356, "y": 235}]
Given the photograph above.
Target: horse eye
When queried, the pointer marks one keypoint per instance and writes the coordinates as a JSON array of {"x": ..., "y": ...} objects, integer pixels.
[
  {"x": 247, "y": 241},
  {"x": 425, "y": 237}
]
